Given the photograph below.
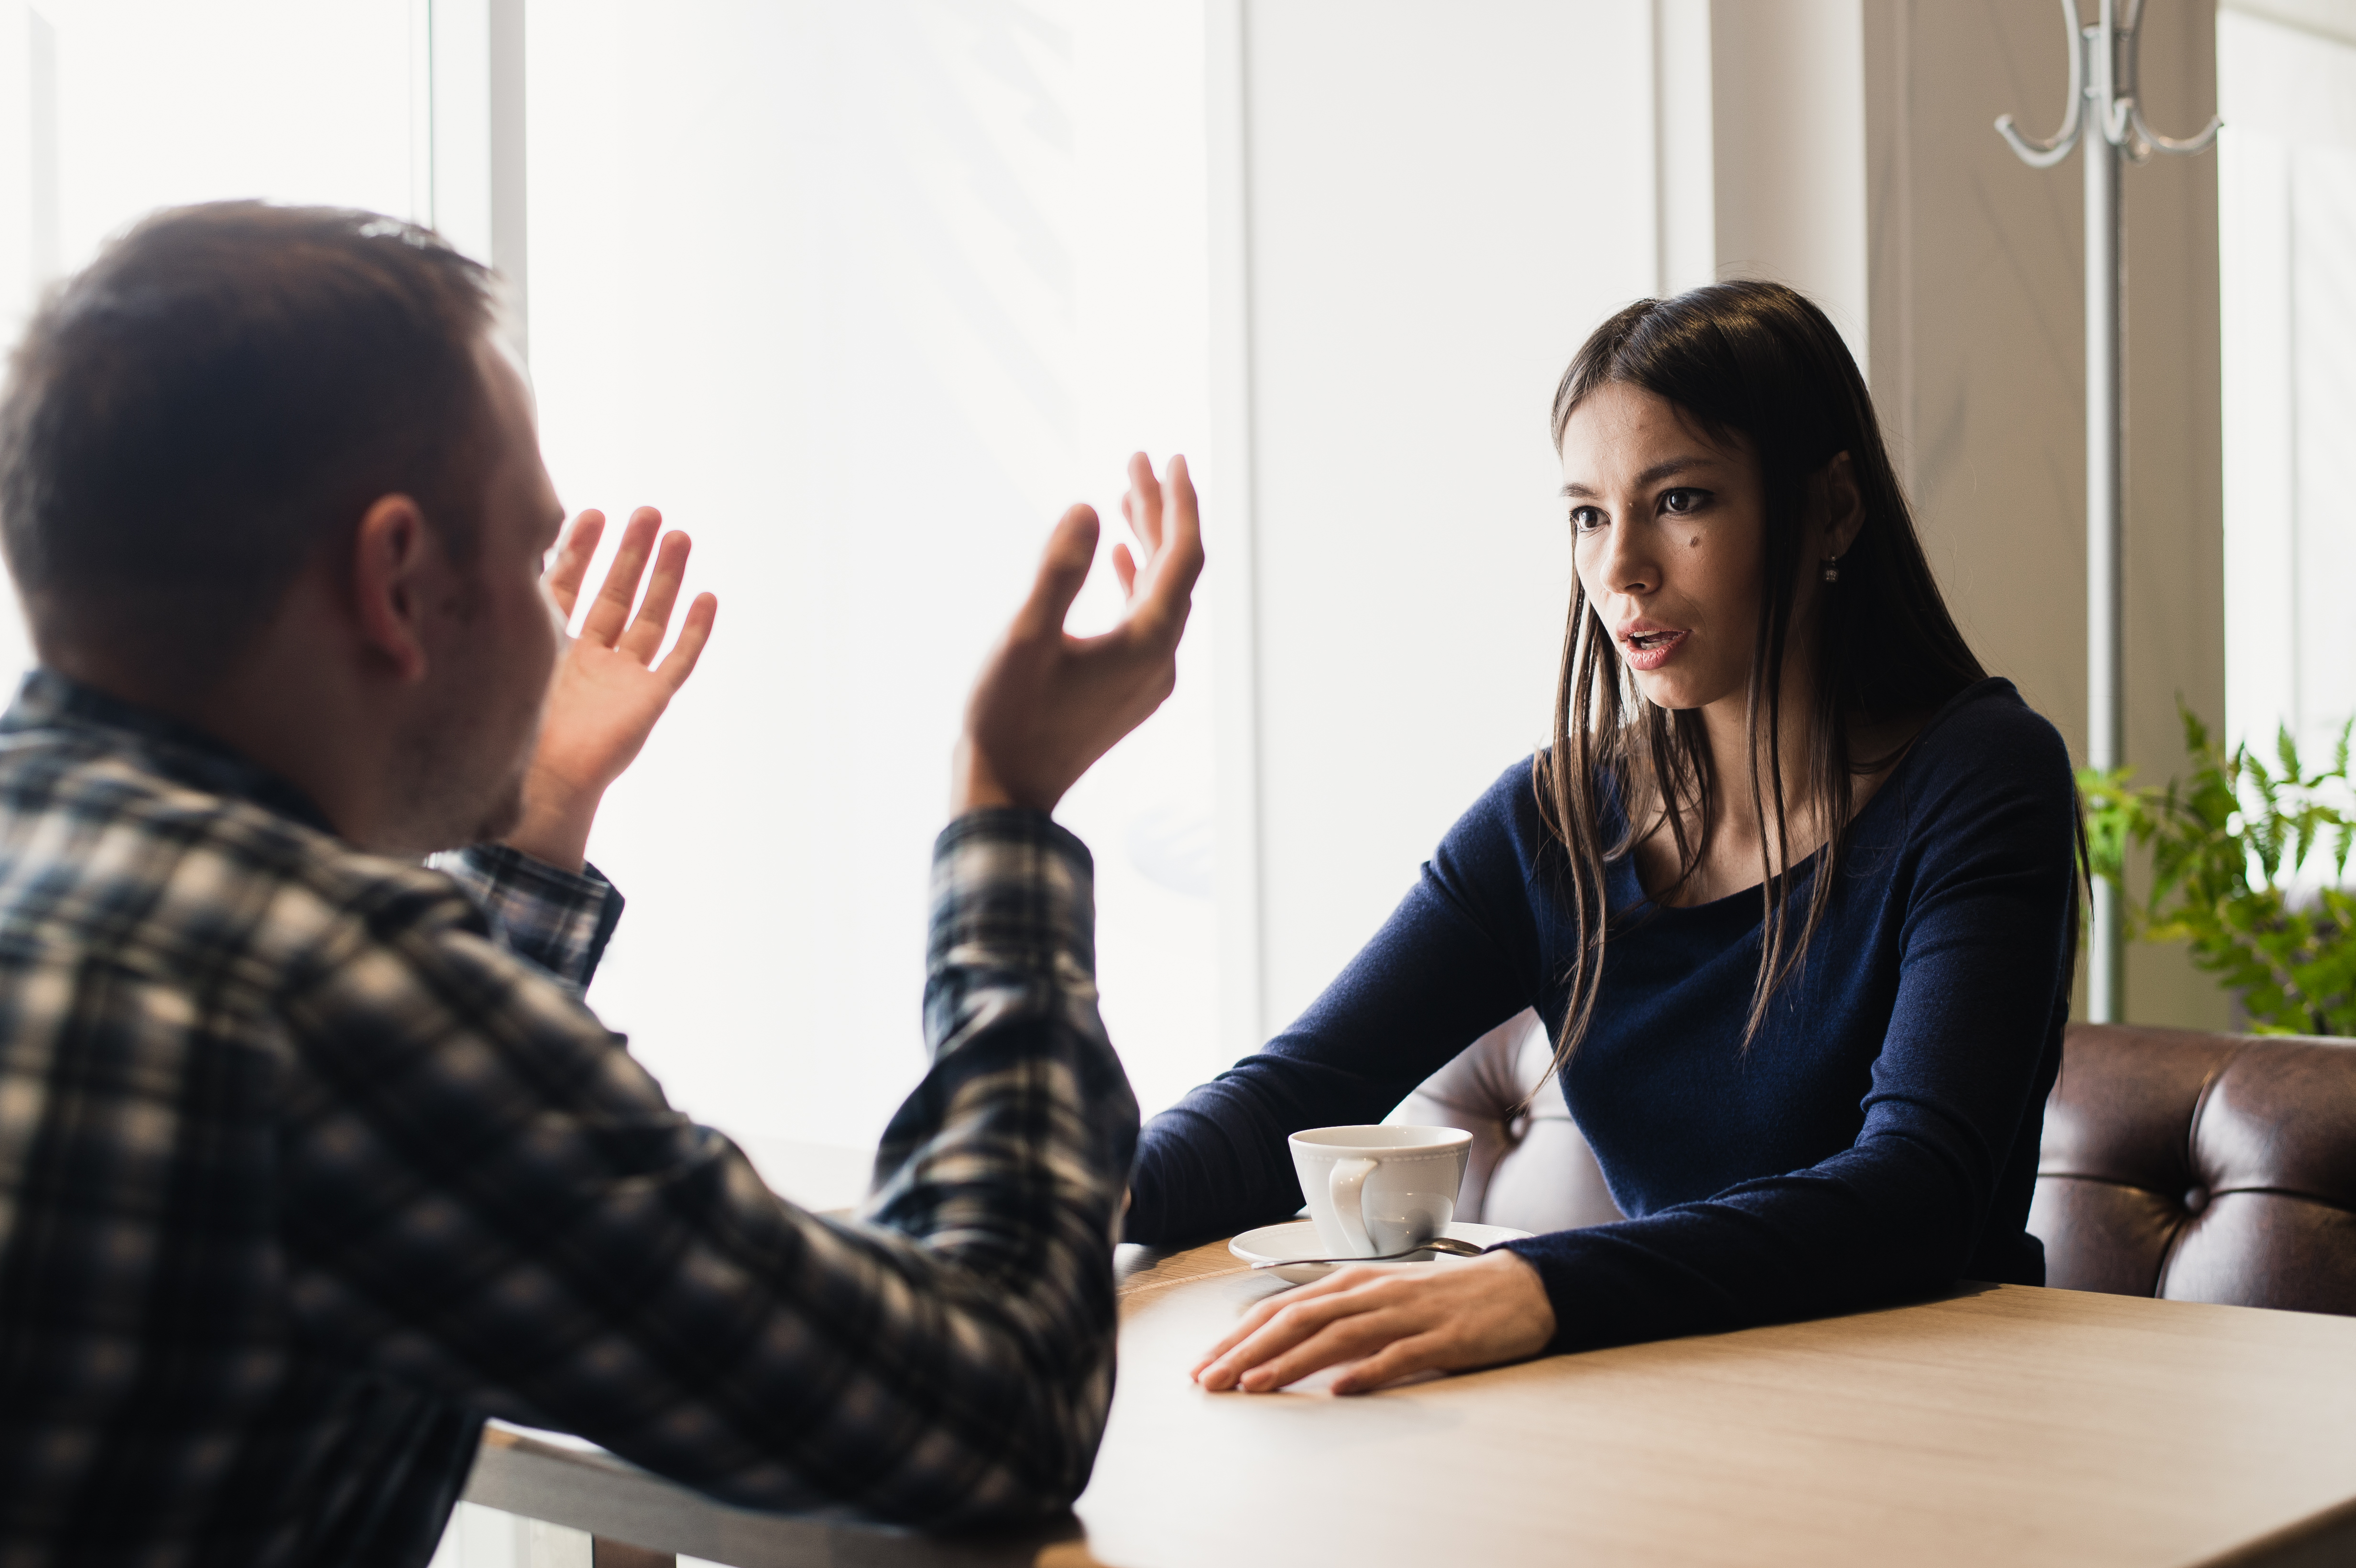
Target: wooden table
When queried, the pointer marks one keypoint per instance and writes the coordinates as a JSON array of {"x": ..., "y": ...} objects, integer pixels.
[{"x": 2000, "y": 1424}]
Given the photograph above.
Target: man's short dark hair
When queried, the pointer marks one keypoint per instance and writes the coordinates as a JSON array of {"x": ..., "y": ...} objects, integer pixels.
[{"x": 222, "y": 393}]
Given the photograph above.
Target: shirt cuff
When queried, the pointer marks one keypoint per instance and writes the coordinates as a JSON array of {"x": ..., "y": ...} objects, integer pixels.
[
  {"x": 557, "y": 919},
  {"x": 1012, "y": 889}
]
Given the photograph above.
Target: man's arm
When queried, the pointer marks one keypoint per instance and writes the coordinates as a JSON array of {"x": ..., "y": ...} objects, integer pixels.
[
  {"x": 559, "y": 920},
  {"x": 489, "y": 1199},
  {"x": 492, "y": 1200}
]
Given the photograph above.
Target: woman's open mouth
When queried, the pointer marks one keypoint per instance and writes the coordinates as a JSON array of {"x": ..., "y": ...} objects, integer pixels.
[{"x": 1651, "y": 650}]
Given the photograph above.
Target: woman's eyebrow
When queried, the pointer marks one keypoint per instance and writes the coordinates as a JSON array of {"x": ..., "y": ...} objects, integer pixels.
[{"x": 1666, "y": 469}]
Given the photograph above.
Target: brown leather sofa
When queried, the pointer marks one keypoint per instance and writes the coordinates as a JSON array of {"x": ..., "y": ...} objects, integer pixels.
[{"x": 2189, "y": 1166}]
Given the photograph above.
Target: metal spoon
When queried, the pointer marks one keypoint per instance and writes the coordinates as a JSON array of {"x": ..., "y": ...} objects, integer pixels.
[{"x": 1448, "y": 1244}]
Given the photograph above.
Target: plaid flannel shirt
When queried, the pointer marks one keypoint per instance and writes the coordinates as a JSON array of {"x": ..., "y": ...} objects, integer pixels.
[{"x": 303, "y": 1172}]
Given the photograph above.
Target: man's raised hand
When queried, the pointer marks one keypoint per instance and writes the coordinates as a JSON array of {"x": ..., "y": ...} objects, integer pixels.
[
  {"x": 1048, "y": 704},
  {"x": 608, "y": 690}
]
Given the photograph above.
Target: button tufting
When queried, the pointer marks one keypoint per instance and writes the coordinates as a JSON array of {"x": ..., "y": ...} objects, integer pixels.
[{"x": 2196, "y": 1200}]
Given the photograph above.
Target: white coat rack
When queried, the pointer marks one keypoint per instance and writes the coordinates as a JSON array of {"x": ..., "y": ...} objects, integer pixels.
[{"x": 2105, "y": 115}]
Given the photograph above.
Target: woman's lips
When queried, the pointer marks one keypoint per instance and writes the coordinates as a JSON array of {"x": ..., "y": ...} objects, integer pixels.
[{"x": 1651, "y": 650}]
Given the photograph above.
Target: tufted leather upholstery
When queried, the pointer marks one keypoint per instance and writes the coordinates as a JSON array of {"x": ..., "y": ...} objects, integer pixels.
[
  {"x": 2194, "y": 1166},
  {"x": 2202, "y": 1167}
]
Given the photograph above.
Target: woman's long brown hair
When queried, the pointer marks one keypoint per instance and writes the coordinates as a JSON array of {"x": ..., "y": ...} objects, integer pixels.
[{"x": 1756, "y": 363}]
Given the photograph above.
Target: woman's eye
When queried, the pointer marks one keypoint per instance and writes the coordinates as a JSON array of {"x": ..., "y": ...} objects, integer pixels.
[
  {"x": 1586, "y": 519},
  {"x": 1680, "y": 502}
]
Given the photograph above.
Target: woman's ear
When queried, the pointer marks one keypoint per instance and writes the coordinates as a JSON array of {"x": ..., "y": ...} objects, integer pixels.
[
  {"x": 1844, "y": 505},
  {"x": 391, "y": 551}
]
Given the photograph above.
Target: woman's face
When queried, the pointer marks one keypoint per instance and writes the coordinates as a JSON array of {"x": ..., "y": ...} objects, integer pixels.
[{"x": 1670, "y": 537}]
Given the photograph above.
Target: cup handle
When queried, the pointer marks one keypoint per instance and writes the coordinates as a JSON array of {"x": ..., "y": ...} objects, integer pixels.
[{"x": 1347, "y": 1185}]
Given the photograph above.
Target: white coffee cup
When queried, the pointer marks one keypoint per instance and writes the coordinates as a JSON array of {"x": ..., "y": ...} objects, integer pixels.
[{"x": 1374, "y": 1190}]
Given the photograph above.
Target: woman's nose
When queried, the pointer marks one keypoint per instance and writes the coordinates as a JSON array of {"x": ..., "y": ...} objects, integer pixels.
[{"x": 1628, "y": 566}]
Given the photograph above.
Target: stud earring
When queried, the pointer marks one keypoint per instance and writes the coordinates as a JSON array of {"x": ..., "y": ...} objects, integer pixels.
[{"x": 1832, "y": 569}]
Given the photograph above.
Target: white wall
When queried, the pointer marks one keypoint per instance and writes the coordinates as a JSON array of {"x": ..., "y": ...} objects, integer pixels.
[
  {"x": 1443, "y": 202},
  {"x": 1789, "y": 89}
]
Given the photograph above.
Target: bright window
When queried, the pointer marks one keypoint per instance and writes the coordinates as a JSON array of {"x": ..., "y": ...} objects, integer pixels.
[
  {"x": 109, "y": 108},
  {"x": 2287, "y": 201},
  {"x": 862, "y": 295}
]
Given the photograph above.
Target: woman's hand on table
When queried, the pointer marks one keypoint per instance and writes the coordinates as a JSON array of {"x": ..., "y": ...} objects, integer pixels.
[{"x": 1393, "y": 1320}]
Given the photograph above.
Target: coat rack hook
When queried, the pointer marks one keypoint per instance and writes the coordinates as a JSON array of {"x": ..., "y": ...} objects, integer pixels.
[
  {"x": 2128, "y": 129},
  {"x": 2044, "y": 154}
]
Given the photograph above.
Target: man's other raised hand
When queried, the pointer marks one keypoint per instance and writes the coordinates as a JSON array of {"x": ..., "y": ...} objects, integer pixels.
[{"x": 1048, "y": 704}]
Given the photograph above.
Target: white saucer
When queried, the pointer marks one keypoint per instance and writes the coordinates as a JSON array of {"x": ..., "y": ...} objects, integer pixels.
[{"x": 1298, "y": 1238}]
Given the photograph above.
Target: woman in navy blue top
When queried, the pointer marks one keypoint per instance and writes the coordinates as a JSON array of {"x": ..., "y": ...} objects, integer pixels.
[{"x": 1793, "y": 888}]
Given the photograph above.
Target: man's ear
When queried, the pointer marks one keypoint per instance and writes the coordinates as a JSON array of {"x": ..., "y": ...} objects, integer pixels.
[
  {"x": 392, "y": 553},
  {"x": 1844, "y": 505}
]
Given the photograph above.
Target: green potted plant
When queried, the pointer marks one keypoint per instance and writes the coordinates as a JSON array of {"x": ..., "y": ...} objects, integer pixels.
[{"x": 2227, "y": 845}]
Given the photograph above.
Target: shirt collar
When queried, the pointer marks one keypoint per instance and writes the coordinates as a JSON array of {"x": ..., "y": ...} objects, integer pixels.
[{"x": 179, "y": 751}]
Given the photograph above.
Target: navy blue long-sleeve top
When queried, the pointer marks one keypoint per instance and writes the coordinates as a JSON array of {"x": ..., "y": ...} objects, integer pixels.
[{"x": 1878, "y": 1137}]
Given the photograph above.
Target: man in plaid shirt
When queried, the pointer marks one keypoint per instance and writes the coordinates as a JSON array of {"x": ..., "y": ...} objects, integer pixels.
[{"x": 311, "y": 1156}]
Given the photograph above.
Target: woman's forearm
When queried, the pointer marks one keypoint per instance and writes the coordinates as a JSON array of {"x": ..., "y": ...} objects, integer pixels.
[{"x": 1458, "y": 958}]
